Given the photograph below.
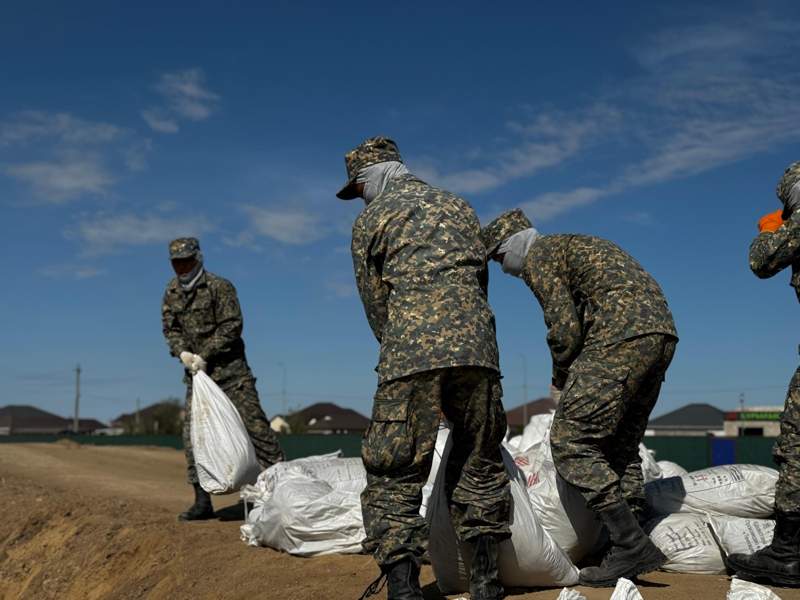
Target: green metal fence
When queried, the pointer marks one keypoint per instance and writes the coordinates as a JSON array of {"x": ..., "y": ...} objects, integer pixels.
[{"x": 692, "y": 453}]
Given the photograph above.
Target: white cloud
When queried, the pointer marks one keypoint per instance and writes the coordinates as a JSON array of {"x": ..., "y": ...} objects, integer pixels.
[
  {"x": 71, "y": 271},
  {"x": 105, "y": 233},
  {"x": 187, "y": 96},
  {"x": 34, "y": 125},
  {"x": 159, "y": 120},
  {"x": 294, "y": 226},
  {"x": 135, "y": 155},
  {"x": 341, "y": 289},
  {"x": 64, "y": 179},
  {"x": 710, "y": 95}
]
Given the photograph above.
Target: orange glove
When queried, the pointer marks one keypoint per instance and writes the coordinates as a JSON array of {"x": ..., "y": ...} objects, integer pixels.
[{"x": 770, "y": 222}]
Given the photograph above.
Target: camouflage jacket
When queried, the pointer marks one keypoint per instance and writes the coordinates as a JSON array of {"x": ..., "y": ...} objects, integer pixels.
[
  {"x": 771, "y": 253},
  {"x": 422, "y": 276},
  {"x": 592, "y": 292},
  {"x": 206, "y": 321}
]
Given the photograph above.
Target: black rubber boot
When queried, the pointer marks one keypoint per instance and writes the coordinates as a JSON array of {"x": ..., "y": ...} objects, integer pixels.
[
  {"x": 631, "y": 552},
  {"x": 201, "y": 509},
  {"x": 402, "y": 580},
  {"x": 778, "y": 563},
  {"x": 484, "y": 581}
]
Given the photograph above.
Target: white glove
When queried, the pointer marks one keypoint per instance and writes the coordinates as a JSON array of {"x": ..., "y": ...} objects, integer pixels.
[
  {"x": 198, "y": 364},
  {"x": 187, "y": 358},
  {"x": 555, "y": 394}
]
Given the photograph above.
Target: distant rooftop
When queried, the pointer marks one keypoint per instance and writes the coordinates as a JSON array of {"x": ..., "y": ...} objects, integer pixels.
[{"x": 692, "y": 416}]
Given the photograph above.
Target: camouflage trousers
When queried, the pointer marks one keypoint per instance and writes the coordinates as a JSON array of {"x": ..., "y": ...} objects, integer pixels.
[
  {"x": 601, "y": 419},
  {"x": 787, "y": 451},
  {"x": 397, "y": 451},
  {"x": 242, "y": 392}
]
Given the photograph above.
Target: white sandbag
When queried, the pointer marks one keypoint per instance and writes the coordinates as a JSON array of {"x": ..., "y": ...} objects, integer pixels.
[
  {"x": 742, "y": 536},
  {"x": 671, "y": 469},
  {"x": 688, "y": 543},
  {"x": 438, "y": 453},
  {"x": 223, "y": 453},
  {"x": 625, "y": 590},
  {"x": 537, "y": 430},
  {"x": 297, "y": 511},
  {"x": 650, "y": 469},
  {"x": 568, "y": 594},
  {"x": 529, "y": 558},
  {"x": 747, "y": 590},
  {"x": 559, "y": 507},
  {"x": 736, "y": 490}
]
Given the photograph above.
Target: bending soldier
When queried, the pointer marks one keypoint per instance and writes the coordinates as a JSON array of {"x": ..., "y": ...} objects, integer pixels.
[
  {"x": 421, "y": 273},
  {"x": 776, "y": 248},
  {"x": 612, "y": 338},
  {"x": 202, "y": 323}
]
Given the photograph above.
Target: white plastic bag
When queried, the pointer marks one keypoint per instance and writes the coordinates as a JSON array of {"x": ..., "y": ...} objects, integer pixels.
[
  {"x": 742, "y": 536},
  {"x": 559, "y": 507},
  {"x": 568, "y": 594},
  {"x": 746, "y": 590},
  {"x": 223, "y": 453},
  {"x": 529, "y": 559},
  {"x": 307, "y": 507},
  {"x": 735, "y": 490},
  {"x": 687, "y": 542},
  {"x": 671, "y": 469},
  {"x": 625, "y": 590}
]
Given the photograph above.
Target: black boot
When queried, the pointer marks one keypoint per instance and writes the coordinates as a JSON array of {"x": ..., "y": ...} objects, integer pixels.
[
  {"x": 484, "y": 581},
  {"x": 402, "y": 579},
  {"x": 201, "y": 509},
  {"x": 778, "y": 563},
  {"x": 631, "y": 552}
]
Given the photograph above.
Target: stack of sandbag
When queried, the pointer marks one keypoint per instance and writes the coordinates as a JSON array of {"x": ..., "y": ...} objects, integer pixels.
[
  {"x": 530, "y": 558},
  {"x": 735, "y": 490},
  {"x": 688, "y": 543},
  {"x": 307, "y": 507}
]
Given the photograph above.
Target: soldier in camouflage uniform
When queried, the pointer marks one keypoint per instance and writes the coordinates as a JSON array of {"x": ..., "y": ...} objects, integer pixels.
[
  {"x": 770, "y": 253},
  {"x": 202, "y": 323},
  {"x": 611, "y": 337},
  {"x": 421, "y": 273}
]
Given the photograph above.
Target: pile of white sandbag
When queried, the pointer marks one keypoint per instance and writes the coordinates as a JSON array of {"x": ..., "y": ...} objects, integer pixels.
[{"x": 311, "y": 506}]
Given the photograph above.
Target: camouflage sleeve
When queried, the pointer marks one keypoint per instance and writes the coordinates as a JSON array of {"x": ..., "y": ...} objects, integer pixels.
[
  {"x": 564, "y": 331},
  {"x": 228, "y": 316},
  {"x": 374, "y": 293},
  {"x": 770, "y": 253},
  {"x": 173, "y": 332}
]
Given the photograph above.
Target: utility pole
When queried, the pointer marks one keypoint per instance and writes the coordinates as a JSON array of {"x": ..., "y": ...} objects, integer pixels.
[
  {"x": 741, "y": 402},
  {"x": 283, "y": 389},
  {"x": 524, "y": 391},
  {"x": 75, "y": 424},
  {"x": 137, "y": 419}
]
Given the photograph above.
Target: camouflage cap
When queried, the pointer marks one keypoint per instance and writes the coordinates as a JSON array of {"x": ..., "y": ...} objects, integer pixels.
[
  {"x": 502, "y": 228},
  {"x": 371, "y": 151},
  {"x": 790, "y": 177},
  {"x": 183, "y": 248}
]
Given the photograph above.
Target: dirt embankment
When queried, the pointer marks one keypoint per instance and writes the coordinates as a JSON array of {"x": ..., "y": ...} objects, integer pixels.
[{"x": 99, "y": 522}]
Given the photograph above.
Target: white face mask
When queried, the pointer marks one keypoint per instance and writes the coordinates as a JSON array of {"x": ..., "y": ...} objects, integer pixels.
[
  {"x": 515, "y": 250},
  {"x": 376, "y": 177}
]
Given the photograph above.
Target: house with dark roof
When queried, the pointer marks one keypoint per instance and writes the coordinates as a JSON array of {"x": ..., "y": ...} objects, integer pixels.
[
  {"x": 691, "y": 420},
  {"x": 520, "y": 416},
  {"x": 21, "y": 419},
  {"x": 328, "y": 418}
]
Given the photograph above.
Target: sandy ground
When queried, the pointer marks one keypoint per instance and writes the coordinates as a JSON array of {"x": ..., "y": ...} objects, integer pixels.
[{"x": 99, "y": 522}]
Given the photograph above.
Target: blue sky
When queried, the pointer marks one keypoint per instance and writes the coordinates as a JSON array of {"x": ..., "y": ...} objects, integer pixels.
[{"x": 663, "y": 128}]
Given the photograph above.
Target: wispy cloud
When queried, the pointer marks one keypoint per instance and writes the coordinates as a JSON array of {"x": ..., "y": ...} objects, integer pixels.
[
  {"x": 186, "y": 95},
  {"x": 63, "y": 179},
  {"x": 295, "y": 226},
  {"x": 107, "y": 233},
  {"x": 710, "y": 95},
  {"x": 62, "y": 157},
  {"x": 340, "y": 288},
  {"x": 541, "y": 142},
  {"x": 71, "y": 271}
]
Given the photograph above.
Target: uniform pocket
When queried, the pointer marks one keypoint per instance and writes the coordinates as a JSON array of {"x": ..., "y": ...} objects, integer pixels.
[
  {"x": 388, "y": 444},
  {"x": 594, "y": 394}
]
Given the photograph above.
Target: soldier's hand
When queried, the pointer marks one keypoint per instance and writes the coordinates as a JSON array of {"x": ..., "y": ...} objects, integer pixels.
[
  {"x": 198, "y": 363},
  {"x": 187, "y": 358}
]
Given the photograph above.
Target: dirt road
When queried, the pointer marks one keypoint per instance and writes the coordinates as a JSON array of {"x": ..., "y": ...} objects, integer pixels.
[{"x": 99, "y": 522}]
